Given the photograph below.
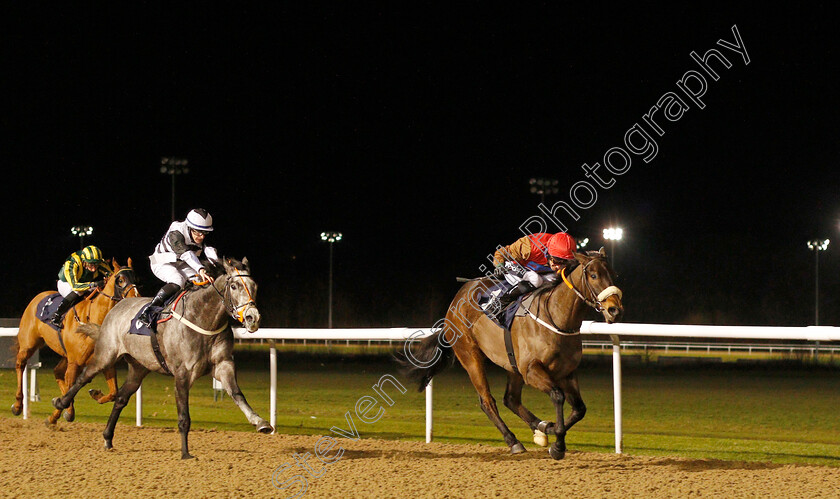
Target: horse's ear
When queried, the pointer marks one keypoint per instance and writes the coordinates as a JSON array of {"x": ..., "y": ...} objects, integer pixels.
[
  {"x": 114, "y": 264},
  {"x": 129, "y": 262},
  {"x": 245, "y": 263},
  {"x": 602, "y": 251},
  {"x": 581, "y": 258}
]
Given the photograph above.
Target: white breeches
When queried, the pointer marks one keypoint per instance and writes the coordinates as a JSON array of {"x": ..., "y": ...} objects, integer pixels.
[
  {"x": 64, "y": 288},
  {"x": 535, "y": 279},
  {"x": 176, "y": 273}
]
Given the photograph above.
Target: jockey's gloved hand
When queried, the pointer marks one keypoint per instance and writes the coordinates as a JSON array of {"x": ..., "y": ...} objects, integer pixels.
[
  {"x": 97, "y": 284},
  {"x": 499, "y": 271}
]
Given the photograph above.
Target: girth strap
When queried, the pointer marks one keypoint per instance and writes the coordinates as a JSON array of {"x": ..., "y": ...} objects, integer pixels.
[
  {"x": 158, "y": 354},
  {"x": 509, "y": 348}
]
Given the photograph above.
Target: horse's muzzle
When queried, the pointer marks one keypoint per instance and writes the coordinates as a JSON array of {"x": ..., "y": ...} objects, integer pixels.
[
  {"x": 612, "y": 309},
  {"x": 252, "y": 319}
]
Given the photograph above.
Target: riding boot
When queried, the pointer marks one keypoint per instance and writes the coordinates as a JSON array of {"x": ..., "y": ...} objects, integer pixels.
[
  {"x": 512, "y": 295},
  {"x": 65, "y": 305},
  {"x": 160, "y": 298}
]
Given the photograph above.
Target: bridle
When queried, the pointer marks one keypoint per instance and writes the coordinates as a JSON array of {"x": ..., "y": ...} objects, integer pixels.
[
  {"x": 600, "y": 298},
  {"x": 120, "y": 293},
  {"x": 236, "y": 311}
]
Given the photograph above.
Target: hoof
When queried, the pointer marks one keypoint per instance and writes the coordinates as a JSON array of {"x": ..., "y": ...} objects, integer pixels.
[
  {"x": 95, "y": 394},
  {"x": 69, "y": 416},
  {"x": 56, "y": 402},
  {"x": 540, "y": 438},
  {"x": 109, "y": 445},
  {"x": 17, "y": 411},
  {"x": 265, "y": 428},
  {"x": 517, "y": 448},
  {"x": 187, "y": 456},
  {"x": 556, "y": 453}
]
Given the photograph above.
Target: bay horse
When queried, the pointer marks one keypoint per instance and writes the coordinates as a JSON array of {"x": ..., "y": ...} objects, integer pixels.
[
  {"x": 196, "y": 340},
  {"x": 546, "y": 346},
  {"x": 75, "y": 348}
]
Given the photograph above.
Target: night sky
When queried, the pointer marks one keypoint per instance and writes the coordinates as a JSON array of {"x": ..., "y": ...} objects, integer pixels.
[{"x": 414, "y": 131}]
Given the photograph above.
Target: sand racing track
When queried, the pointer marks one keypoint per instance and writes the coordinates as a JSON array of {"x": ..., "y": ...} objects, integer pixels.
[{"x": 37, "y": 461}]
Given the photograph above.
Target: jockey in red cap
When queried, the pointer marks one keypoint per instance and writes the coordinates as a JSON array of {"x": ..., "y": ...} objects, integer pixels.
[{"x": 530, "y": 262}]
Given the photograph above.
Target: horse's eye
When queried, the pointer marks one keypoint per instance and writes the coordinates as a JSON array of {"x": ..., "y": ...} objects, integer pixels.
[
  {"x": 593, "y": 276},
  {"x": 121, "y": 281},
  {"x": 233, "y": 287}
]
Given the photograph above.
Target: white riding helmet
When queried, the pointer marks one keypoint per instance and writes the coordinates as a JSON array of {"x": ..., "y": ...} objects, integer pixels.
[{"x": 199, "y": 219}]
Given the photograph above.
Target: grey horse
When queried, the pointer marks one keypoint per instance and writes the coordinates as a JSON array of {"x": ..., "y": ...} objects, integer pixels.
[{"x": 196, "y": 340}]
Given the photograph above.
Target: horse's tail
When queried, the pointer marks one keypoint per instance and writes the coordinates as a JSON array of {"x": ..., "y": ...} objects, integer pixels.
[
  {"x": 90, "y": 330},
  {"x": 430, "y": 356}
]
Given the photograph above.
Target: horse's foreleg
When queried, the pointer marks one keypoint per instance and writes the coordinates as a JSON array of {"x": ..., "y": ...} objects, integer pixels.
[
  {"x": 570, "y": 387},
  {"x": 136, "y": 373},
  {"x": 69, "y": 379},
  {"x": 20, "y": 361},
  {"x": 225, "y": 372},
  {"x": 182, "y": 400},
  {"x": 110, "y": 374},
  {"x": 475, "y": 368}
]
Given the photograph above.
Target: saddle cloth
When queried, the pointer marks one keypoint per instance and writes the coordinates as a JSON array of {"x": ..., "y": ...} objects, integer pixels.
[
  {"x": 154, "y": 314},
  {"x": 505, "y": 318},
  {"x": 138, "y": 328},
  {"x": 47, "y": 307}
]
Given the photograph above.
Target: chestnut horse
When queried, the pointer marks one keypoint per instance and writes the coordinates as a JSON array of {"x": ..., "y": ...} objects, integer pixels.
[
  {"x": 546, "y": 346},
  {"x": 77, "y": 348}
]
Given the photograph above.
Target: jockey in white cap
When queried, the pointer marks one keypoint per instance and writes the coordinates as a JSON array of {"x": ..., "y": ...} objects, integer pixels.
[{"x": 176, "y": 256}]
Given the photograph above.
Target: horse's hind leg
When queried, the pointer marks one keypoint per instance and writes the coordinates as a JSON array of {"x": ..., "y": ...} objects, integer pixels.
[
  {"x": 110, "y": 374},
  {"x": 474, "y": 365},
  {"x": 136, "y": 373},
  {"x": 513, "y": 401},
  {"x": 225, "y": 372},
  {"x": 92, "y": 369}
]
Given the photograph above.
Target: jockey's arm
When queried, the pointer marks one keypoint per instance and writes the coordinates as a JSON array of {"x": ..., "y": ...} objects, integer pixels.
[
  {"x": 519, "y": 251},
  {"x": 182, "y": 251},
  {"x": 104, "y": 268},
  {"x": 211, "y": 253},
  {"x": 72, "y": 272}
]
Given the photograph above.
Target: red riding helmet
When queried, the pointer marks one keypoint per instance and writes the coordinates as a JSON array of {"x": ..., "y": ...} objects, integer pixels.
[{"x": 562, "y": 245}]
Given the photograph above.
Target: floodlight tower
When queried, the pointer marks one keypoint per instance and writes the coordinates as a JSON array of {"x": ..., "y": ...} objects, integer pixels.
[
  {"x": 816, "y": 246},
  {"x": 613, "y": 234},
  {"x": 81, "y": 231},
  {"x": 543, "y": 186},
  {"x": 330, "y": 237},
  {"x": 173, "y": 166}
]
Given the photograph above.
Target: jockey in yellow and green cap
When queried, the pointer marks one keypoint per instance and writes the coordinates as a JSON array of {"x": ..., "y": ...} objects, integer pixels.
[{"x": 82, "y": 272}]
